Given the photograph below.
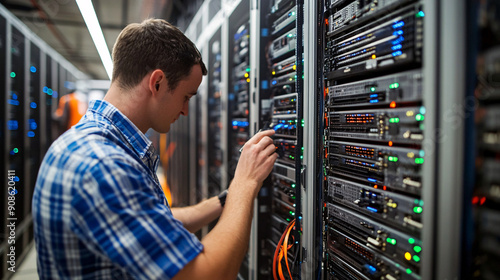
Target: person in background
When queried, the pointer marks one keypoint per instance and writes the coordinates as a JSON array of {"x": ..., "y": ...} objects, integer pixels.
[
  {"x": 71, "y": 109},
  {"x": 98, "y": 209}
]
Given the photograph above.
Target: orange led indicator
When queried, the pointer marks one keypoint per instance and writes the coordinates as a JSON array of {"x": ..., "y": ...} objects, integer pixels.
[
  {"x": 375, "y": 186},
  {"x": 390, "y": 143},
  {"x": 326, "y": 21},
  {"x": 408, "y": 256},
  {"x": 393, "y": 104},
  {"x": 374, "y": 56}
]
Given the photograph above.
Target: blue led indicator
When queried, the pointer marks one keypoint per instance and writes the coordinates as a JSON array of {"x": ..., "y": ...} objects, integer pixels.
[
  {"x": 12, "y": 153},
  {"x": 264, "y": 32},
  {"x": 13, "y": 125},
  {"x": 398, "y": 53},
  {"x": 372, "y": 209},
  {"x": 265, "y": 85},
  {"x": 49, "y": 91},
  {"x": 33, "y": 69},
  {"x": 16, "y": 179},
  {"x": 372, "y": 180},
  {"x": 398, "y": 33},
  {"x": 372, "y": 269},
  {"x": 14, "y": 96},
  {"x": 396, "y": 47},
  {"x": 55, "y": 94},
  {"x": 398, "y": 40},
  {"x": 398, "y": 25},
  {"x": 235, "y": 123},
  {"x": 13, "y": 102},
  {"x": 374, "y": 101},
  {"x": 31, "y": 134},
  {"x": 33, "y": 105},
  {"x": 373, "y": 95},
  {"x": 33, "y": 124}
]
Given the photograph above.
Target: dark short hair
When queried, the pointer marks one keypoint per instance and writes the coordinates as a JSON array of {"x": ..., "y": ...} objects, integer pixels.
[{"x": 153, "y": 44}]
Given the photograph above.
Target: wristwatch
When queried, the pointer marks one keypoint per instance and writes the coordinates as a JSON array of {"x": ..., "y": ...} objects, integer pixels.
[{"x": 222, "y": 198}]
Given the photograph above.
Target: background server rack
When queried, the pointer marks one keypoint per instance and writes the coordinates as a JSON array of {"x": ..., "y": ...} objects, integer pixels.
[
  {"x": 32, "y": 79},
  {"x": 214, "y": 140},
  {"x": 485, "y": 249},
  {"x": 238, "y": 95}
]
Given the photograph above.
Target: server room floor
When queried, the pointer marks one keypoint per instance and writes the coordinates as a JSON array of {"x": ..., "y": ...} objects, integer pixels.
[{"x": 27, "y": 270}]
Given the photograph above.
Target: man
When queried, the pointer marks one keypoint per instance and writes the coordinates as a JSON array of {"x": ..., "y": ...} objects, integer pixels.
[{"x": 98, "y": 209}]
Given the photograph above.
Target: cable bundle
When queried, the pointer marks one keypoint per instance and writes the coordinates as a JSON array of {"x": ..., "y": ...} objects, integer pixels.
[{"x": 282, "y": 251}]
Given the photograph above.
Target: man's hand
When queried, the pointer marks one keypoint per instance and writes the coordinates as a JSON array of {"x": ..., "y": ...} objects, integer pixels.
[{"x": 256, "y": 160}]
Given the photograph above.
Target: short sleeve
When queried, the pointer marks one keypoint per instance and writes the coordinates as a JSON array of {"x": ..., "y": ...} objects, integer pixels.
[{"x": 117, "y": 215}]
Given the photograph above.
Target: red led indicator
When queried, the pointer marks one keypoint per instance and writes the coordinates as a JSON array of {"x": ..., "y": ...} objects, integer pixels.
[
  {"x": 475, "y": 200},
  {"x": 393, "y": 104},
  {"x": 385, "y": 188},
  {"x": 483, "y": 200}
]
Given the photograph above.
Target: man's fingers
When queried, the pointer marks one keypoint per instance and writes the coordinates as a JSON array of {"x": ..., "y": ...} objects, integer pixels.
[
  {"x": 265, "y": 141},
  {"x": 257, "y": 137},
  {"x": 270, "y": 149}
]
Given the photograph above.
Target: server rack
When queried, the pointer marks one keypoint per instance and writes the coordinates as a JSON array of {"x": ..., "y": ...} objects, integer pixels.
[
  {"x": 28, "y": 87},
  {"x": 387, "y": 155},
  {"x": 374, "y": 115}
]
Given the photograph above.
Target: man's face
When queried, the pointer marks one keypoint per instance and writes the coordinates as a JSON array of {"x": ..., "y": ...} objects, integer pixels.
[{"x": 176, "y": 102}]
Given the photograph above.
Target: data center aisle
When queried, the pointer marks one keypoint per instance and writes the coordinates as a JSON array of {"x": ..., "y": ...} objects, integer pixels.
[{"x": 27, "y": 270}]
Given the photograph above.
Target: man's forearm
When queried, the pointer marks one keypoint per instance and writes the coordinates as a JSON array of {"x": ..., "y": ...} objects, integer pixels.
[{"x": 197, "y": 216}]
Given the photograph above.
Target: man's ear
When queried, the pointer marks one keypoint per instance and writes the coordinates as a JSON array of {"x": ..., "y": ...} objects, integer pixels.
[{"x": 156, "y": 80}]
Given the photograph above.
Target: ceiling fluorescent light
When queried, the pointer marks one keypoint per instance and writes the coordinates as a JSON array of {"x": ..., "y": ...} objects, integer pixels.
[{"x": 90, "y": 17}]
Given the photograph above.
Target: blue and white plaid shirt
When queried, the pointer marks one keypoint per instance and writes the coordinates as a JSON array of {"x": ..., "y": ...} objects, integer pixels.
[{"x": 98, "y": 209}]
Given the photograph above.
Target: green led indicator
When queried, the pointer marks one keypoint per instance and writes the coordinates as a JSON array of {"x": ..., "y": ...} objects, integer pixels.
[
  {"x": 301, "y": 157},
  {"x": 288, "y": 219},
  {"x": 12, "y": 74},
  {"x": 248, "y": 69},
  {"x": 411, "y": 241},
  {"x": 393, "y": 159},
  {"x": 290, "y": 35},
  {"x": 419, "y": 117},
  {"x": 302, "y": 148},
  {"x": 417, "y": 249},
  {"x": 416, "y": 258},
  {"x": 293, "y": 13},
  {"x": 417, "y": 209},
  {"x": 391, "y": 240},
  {"x": 420, "y": 14},
  {"x": 372, "y": 89},
  {"x": 293, "y": 185},
  {"x": 50, "y": 91},
  {"x": 409, "y": 271},
  {"x": 394, "y": 120},
  {"x": 419, "y": 160},
  {"x": 421, "y": 203},
  {"x": 394, "y": 85},
  {"x": 16, "y": 150}
]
